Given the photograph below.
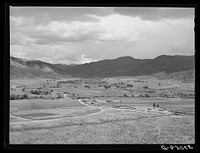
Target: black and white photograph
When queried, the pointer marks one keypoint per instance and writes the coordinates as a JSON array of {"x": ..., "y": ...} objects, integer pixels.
[{"x": 102, "y": 75}]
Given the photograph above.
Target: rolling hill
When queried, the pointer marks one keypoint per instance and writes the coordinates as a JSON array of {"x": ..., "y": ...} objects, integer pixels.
[
  {"x": 122, "y": 66},
  {"x": 21, "y": 68}
]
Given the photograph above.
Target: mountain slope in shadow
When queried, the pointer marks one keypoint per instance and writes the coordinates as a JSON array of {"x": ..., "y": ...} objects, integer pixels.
[{"x": 122, "y": 66}]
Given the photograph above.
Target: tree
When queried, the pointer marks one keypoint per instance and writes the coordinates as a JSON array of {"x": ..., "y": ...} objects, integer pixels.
[
  {"x": 14, "y": 97},
  {"x": 125, "y": 95},
  {"x": 87, "y": 86},
  {"x": 129, "y": 85},
  {"x": 25, "y": 96},
  {"x": 33, "y": 92},
  {"x": 145, "y": 87}
]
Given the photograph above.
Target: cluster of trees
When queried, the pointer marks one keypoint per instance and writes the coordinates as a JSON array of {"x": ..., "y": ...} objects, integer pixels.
[
  {"x": 145, "y": 87},
  {"x": 129, "y": 85},
  {"x": 70, "y": 81},
  {"x": 122, "y": 85},
  {"x": 154, "y": 105},
  {"x": 144, "y": 95},
  {"x": 39, "y": 92},
  {"x": 87, "y": 86},
  {"x": 106, "y": 86},
  {"x": 186, "y": 95},
  {"x": 91, "y": 81},
  {"x": 16, "y": 97},
  {"x": 51, "y": 80},
  {"x": 75, "y": 96},
  {"x": 125, "y": 95}
]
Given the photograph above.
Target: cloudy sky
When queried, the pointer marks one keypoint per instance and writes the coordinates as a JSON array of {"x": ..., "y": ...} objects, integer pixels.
[{"x": 84, "y": 34}]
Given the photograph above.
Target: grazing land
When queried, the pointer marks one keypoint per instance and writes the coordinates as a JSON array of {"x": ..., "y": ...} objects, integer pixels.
[{"x": 116, "y": 110}]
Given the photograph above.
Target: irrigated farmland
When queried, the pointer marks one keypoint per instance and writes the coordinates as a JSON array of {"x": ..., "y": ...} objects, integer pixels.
[{"x": 116, "y": 110}]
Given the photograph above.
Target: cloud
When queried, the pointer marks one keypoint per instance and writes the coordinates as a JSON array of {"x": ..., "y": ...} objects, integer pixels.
[
  {"x": 56, "y": 31},
  {"x": 107, "y": 35},
  {"x": 110, "y": 28},
  {"x": 113, "y": 27},
  {"x": 20, "y": 38},
  {"x": 82, "y": 59},
  {"x": 155, "y": 13},
  {"x": 118, "y": 27}
]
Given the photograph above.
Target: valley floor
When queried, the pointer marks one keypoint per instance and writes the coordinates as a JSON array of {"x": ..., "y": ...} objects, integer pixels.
[{"x": 101, "y": 120}]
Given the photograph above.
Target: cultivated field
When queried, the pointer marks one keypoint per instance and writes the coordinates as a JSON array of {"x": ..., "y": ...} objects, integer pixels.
[{"x": 118, "y": 110}]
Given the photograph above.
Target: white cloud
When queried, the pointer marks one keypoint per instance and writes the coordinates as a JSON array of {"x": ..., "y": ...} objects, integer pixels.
[
  {"x": 82, "y": 59},
  {"x": 110, "y": 28},
  {"x": 119, "y": 27}
]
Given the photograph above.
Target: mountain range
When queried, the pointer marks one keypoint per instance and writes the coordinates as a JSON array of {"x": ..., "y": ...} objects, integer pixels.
[{"x": 122, "y": 66}]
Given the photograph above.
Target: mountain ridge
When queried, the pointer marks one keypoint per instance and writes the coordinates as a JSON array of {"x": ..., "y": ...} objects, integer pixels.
[{"x": 121, "y": 66}]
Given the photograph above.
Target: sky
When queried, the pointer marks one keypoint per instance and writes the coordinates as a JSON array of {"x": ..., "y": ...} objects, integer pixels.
[{"x": 81, "y": 35}]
